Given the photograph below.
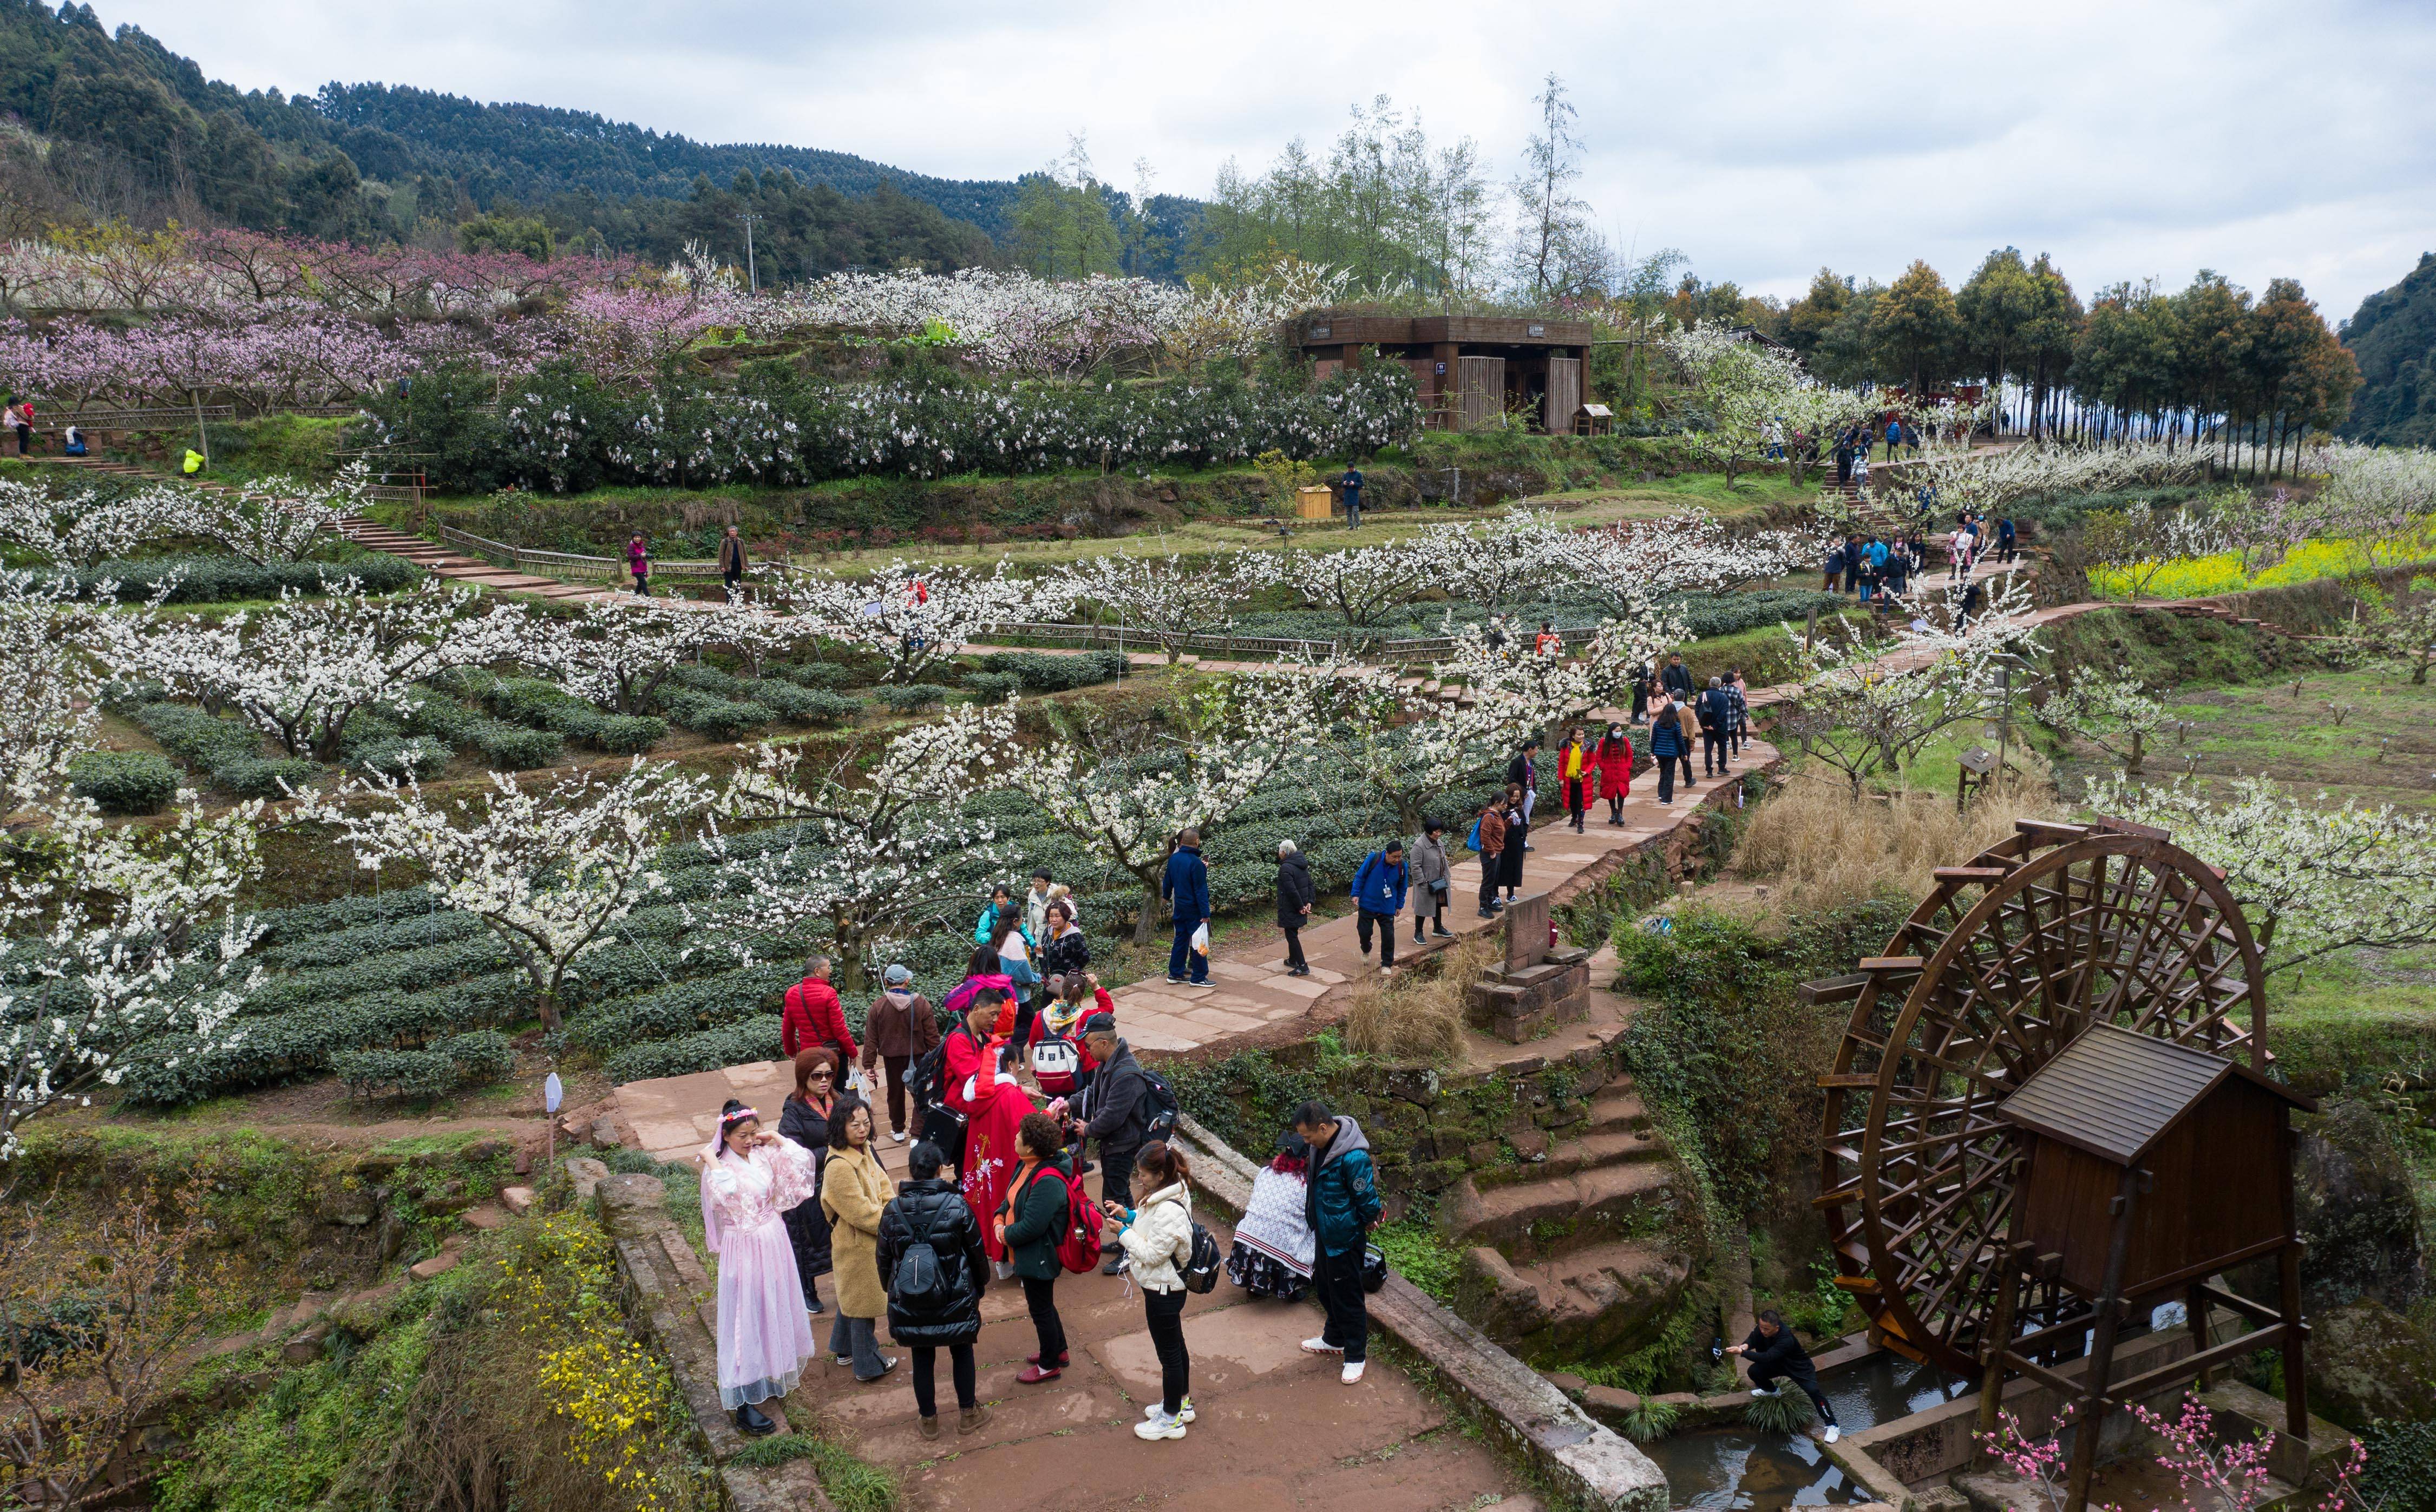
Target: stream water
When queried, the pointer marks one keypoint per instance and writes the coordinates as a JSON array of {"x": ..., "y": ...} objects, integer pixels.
[{"x": 1740, "y": 1468}]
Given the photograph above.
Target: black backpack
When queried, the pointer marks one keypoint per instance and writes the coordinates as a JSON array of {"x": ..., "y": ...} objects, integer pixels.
[
  {"x": 1158, "y": 1108},
  {"x": 1202, "y": 1266},
  {"x": 919, "y": 1288}
]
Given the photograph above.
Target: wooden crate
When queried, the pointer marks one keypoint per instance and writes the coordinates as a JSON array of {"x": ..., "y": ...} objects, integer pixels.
[{"x": 1314, "y": 503}]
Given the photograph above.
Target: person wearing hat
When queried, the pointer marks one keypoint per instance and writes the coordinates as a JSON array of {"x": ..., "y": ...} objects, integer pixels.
[
  {"x": 1379, "y": 894},
  {"x": 1431, "y": 879},
  {"x": 899, "y": 1030},
  {"x": 1117, "y": 1115}
]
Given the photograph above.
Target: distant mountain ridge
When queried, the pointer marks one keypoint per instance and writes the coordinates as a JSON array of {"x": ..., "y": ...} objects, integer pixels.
[
  {"x": 2394, "y": 336},
  {"x": 529, "y": 152}
]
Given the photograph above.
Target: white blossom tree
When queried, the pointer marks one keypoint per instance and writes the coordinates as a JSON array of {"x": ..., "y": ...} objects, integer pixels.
[
  {"x": 2117, "y": 714},
  {"x": 873, "y": 843},
  {"x": 617, "y": 655},
  {"x": 1124, "y": 792},
  {"x": 300, "y": 669},
  {"x": 2380, "y": 496},
  {"x": 2400, "y": 629},
  {"x": 2132, "y": 545},
  {"x": 2321, "y": 879},
  {"x": 912, "y": 616},
  {"x": 1497, "y": 561},
  {"x": 48, "y": 692},
  {"x": 1627, "y": 564},
  {"x": 1362, "y": 583},
  {"x": 277, "y": 520},
  {"x": 1865, "y": 708},
  {"x": 551, "y": 871},
  {"x": 76, "y": 529},
  {"x": 1166, "y": 600}
]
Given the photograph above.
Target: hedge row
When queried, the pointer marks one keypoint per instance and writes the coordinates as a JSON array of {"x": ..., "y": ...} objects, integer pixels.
[
  {"x": 227, "y": 751},
  {"x": 484, "y": 1055},
  {"x": 223, "y": 579},
  {"x": 755, "y": 1039}
]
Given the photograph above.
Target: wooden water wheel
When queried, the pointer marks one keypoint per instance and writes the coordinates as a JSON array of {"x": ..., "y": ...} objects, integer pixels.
[{"x": 2041, "y": 936}]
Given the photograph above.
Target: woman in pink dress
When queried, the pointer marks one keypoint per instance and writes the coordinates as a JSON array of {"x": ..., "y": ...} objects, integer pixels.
[{"x": 749, "y": 1179}]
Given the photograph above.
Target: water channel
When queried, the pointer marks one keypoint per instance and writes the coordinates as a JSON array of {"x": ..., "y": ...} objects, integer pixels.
[{"x": 1744, "y": 1469}]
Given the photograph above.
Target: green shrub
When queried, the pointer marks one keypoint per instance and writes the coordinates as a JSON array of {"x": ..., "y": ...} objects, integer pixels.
[
  {"x": 196, "y": 737},
  {"x": 483, "y": 1055},
  {"x": 415, "y": 1073},
  {"x": 828, "y": 675},
  {"x": 1040, "y": 673},
  {"x": 911, "y": 697},
  {"x": 992, "y": 687},
  {"x": 822, "y": 707},
  {"x": 707, "y": 714},
  {"x": 1651, "y": 1422},
  {"x": 399, "y": 756},
  {"x": 755, "y": 1039},
  {"x": 257, "y": 778},
  {"x": 220, "y": 579},
  {"x": 1785, "y": 1411},
  {"x": 124, "y": 782}
]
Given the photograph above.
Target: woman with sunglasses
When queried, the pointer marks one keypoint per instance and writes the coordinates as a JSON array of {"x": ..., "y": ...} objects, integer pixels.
[{"x": 804, "y": 1119}]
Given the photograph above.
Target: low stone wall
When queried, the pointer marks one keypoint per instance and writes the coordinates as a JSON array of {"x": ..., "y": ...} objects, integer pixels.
[{"x": 1587, "y": 1462}]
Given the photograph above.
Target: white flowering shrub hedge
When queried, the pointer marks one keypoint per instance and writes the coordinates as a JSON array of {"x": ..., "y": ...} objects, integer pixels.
[{"x": 560, "y": 430}]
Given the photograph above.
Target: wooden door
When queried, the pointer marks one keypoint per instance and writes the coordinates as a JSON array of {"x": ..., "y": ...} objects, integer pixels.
[
  {"x": 1481, "y": 388},
  {"x": 1564, "y": 395}
]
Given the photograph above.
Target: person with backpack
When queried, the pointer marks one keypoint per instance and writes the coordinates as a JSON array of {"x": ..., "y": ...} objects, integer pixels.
[
  {"x": 1518, "y": 840},
  {"x": 1379, "y": 900},
  {"x": 1488, "y": 843},
  {"x": 1122, "y": 1109},
  {"x": 982, "y": 973},
  {"x": 1015, "y": 964},
  {"x": 899, "y": 1029},
  {"x": 804, "y": 1119},
  {"x": 814, "y": 1017},
  {"x": 1612, "y": 757},
  {"x": 1157, "y": 1239},
  {"x": 1030, "y": 1219},
  {"x": 1668, "y": 741},
  {"x": 1001, "y": 905},
  {"x": 1717, "y": 719},
  {"x": 1431, "y": 879},
  {"x": 1185, "y": 887},
  {"x": 1342, "y": 1206},
  {"x": 1297, "y": 892},
  {"x": 1061, "y": 1063},
  {"x": 932, "y": 1264},
  {"x": 853, "y": 1193},
  {"x": 748, "y": 1180}
]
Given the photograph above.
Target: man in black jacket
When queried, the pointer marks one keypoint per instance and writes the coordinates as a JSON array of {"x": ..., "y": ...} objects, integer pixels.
[
  {"x": 1524, "y": 773},
  {"x": 1716, "y": 723},
  {"x": 1774, "y": 1354},
  {"x": 1116, "y": 1108},
  {"x": 1677, "y": 681}
]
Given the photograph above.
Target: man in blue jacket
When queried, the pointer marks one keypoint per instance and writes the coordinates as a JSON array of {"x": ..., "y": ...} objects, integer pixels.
[
  {"x": 1185, "y": 887},
  {"x": 1341, "y": 1203},
  {"x": 1379, "y": 894}
]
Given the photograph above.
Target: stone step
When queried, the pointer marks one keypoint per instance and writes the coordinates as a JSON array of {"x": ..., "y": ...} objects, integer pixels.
[
  {"x": 1595, "y": 1299},
  {"x": 1617, "y": 1106},
  {"x": 1552, "y": 1215},
  {"x": 1573, "y": 1156}
]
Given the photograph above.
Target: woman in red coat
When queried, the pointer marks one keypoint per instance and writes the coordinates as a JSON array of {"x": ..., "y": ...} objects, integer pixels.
[{"x": 1614, "y": 758}]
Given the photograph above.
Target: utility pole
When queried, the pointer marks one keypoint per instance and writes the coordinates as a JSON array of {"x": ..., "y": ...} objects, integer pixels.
[{"x": 752, "y": 278}]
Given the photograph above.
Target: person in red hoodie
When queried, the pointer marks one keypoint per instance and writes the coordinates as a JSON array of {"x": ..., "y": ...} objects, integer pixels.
[
  {"x": 1612, "y": 755},
  {"x": 814, "y": 1017}
]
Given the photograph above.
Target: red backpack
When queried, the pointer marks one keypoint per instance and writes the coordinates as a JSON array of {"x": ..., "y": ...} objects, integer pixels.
[{"x": 1078, "y": 1246}]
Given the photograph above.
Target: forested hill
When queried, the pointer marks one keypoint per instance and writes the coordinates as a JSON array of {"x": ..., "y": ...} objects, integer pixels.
[
  {"x": 107, "y": 126},
  {"x": 2394, "y": 336},
  {"x": 532, "y": 152}
]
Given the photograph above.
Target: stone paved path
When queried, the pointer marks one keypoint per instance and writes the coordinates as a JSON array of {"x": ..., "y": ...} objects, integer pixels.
[{"x": 673, "y": 1116}]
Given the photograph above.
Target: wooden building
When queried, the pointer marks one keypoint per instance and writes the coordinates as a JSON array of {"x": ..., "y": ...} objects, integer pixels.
[
  {"x": 2150, "y": 1168},
  {"x": 1470, "y": 368}
]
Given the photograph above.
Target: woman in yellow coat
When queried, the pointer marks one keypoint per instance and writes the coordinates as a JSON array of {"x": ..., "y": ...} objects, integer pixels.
[{"x": 854, "y": 1192}]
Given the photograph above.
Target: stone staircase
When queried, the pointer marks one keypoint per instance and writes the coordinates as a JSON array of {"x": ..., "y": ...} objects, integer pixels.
[{"x": 1579, "y": 1247}]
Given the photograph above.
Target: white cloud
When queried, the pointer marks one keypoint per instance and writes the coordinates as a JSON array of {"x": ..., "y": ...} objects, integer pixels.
[{"x": 1765, "y": 139}]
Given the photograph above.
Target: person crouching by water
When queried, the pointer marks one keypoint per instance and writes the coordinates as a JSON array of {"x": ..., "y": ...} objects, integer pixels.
[
  {"x": 1774, "y": 1354},
  {"x": 934, "y": 1301},
  {"x": 1156, "y": 1237},
  {"x": 748, "y": 1180}
]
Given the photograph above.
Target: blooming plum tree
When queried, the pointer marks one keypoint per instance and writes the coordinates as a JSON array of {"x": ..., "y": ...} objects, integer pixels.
[
  {"x": 912, "y": 615},
  {"x": 617, "y": 655},
  {"x": 551, "y": 872},
  {"x": 76, "y": 529},
  {"x": 1165, "y": 599}
]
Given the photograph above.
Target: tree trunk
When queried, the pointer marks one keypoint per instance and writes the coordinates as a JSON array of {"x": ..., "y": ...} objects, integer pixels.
[{"x": 2132, "y": 765}]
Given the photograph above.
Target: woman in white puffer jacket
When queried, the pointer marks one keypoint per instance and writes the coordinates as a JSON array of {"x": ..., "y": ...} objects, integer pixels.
[{"x": 1156, "y": 1237}]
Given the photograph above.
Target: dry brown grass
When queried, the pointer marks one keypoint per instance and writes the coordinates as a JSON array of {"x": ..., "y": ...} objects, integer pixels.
[
  {"x": 1816, "y": 848},
  {"x": 1417, "y": 1016}
]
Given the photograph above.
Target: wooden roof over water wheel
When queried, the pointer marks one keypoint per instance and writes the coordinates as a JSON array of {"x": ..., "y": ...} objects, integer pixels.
[{"x": 2005, "y": 964}]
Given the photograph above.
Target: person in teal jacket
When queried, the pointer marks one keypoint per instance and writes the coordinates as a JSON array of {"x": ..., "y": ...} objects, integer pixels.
[
  {"x": 1379, "y": 894},
  {"x": 1341, "y": 1203}
]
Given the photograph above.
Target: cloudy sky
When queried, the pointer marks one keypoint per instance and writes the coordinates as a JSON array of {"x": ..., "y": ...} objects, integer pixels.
[{"x": 2132, "y": 138}]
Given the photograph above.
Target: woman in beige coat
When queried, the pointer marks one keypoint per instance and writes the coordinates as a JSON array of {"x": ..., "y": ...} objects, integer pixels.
[{"x": 854, "y": 1192}]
